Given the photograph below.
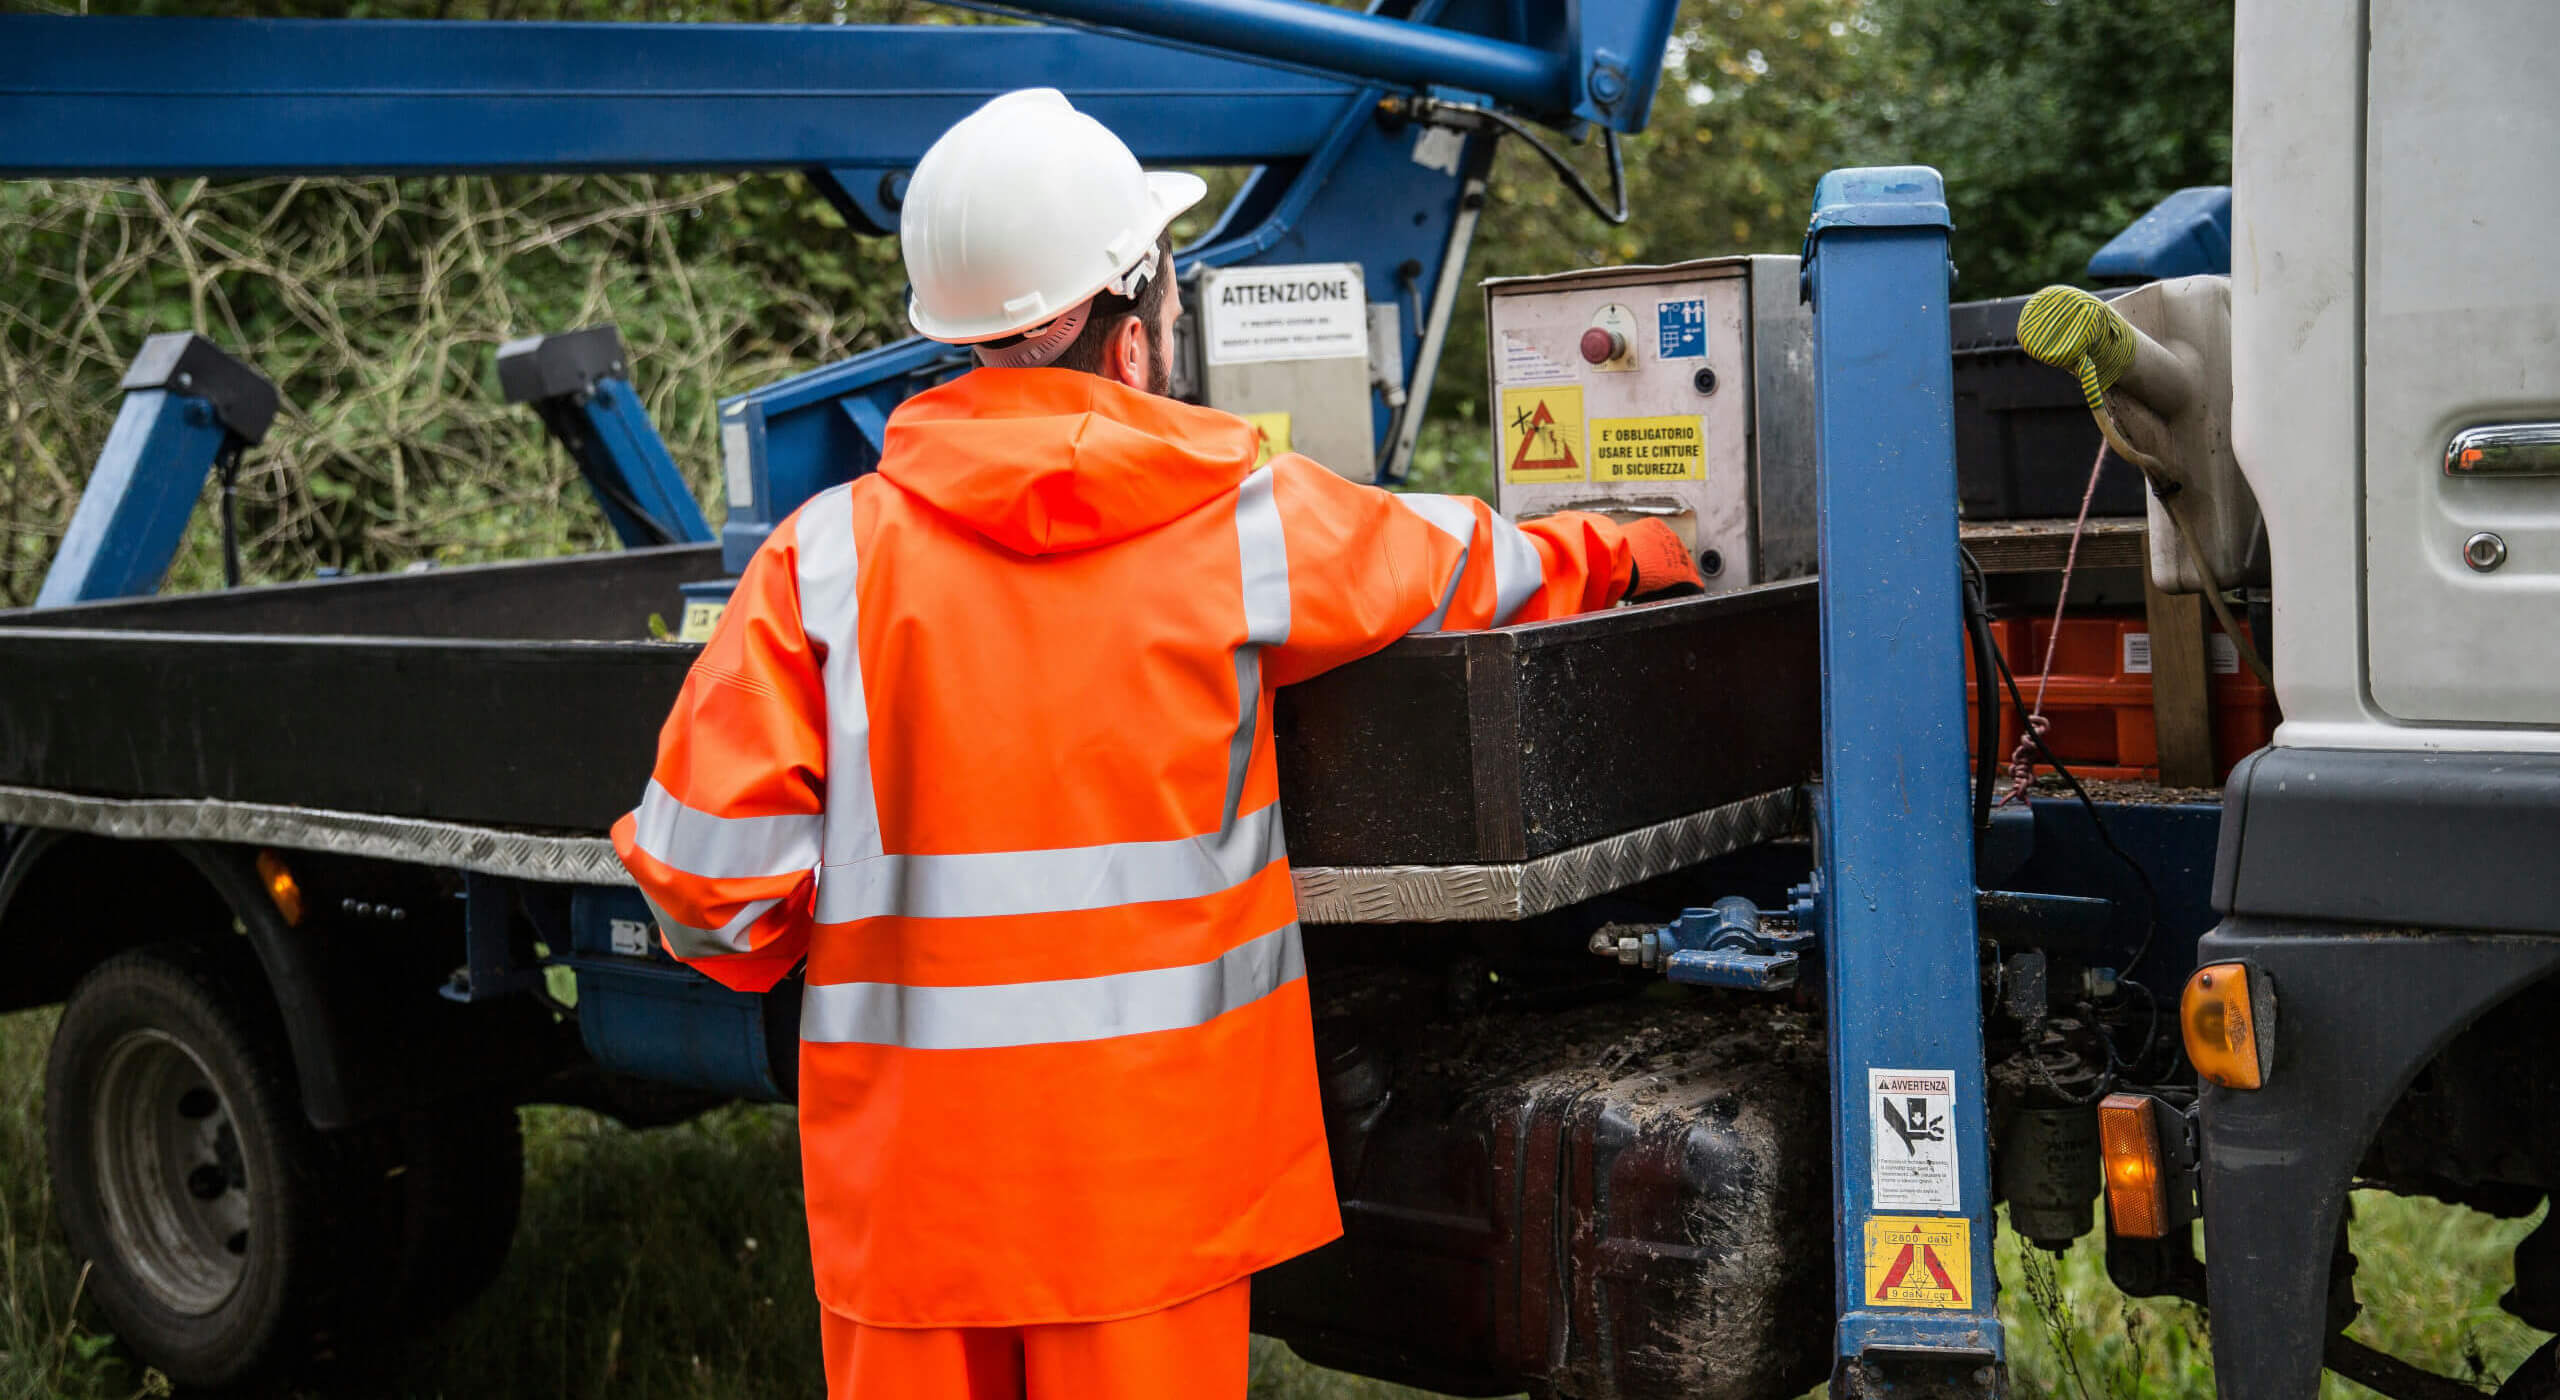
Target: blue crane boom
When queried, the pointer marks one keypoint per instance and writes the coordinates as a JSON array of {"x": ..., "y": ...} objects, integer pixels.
[{"x": 1304, "y": 95}]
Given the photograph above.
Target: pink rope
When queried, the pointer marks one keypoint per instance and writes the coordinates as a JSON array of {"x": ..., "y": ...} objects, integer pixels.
[{"x": 2022, "y": 765}]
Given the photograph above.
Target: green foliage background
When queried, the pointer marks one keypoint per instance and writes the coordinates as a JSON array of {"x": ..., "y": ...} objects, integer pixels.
[{"x": 378, "y": 304}]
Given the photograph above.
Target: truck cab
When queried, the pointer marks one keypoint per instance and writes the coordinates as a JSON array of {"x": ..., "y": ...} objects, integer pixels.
[{"x": 2385, "y": 870}]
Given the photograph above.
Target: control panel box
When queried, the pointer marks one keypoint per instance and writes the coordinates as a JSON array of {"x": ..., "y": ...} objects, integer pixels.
[{"x": 1682, "y": 392}]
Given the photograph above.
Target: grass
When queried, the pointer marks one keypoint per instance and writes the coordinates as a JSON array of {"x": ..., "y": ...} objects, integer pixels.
[
  {"x": 2428, "y": 1274},
  {"x": 672, "y": 1264}
]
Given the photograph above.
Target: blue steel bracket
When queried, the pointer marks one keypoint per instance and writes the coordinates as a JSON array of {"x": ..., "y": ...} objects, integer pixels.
[
  {"x": 579, "y": 383},
  {"x": 2185, "y": 235},
  {"x": 1895, "y": 897},
  {"x": 490, "y": 968},
  {"x": 188, "y": 408}
]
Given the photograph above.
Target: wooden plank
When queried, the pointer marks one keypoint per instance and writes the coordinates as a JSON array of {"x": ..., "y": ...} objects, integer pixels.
[
  {"x": 2041, "y": 546},
  {"x": 2181, "y": 702}
]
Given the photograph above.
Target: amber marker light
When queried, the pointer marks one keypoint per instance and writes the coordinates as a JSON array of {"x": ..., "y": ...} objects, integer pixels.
[
  {"x": 281, "y": 886},
  {"x": 2225, "y": 1027},
  {"x": 2129, "y": 1139}
]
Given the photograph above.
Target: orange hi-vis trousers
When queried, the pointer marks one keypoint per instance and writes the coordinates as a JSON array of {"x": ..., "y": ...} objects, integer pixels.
[{"x": 1190, "y": 1351}]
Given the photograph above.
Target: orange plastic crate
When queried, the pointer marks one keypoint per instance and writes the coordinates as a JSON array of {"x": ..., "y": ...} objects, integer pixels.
[{"x": 2098, "y": 701}]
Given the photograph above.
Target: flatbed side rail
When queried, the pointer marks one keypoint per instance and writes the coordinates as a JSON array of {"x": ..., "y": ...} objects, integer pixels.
[{"x": 1326, "y": 894}]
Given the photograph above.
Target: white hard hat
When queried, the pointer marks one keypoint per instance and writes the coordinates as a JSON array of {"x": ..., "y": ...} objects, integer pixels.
[{"x": 1021, "y": 212}]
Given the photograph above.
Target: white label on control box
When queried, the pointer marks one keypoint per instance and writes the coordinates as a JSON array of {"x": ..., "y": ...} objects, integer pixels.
[
  {"x": 630, "y": 937},
  {"x": 1524, "y": 363},
  {"x": 1307, "y": 311}
]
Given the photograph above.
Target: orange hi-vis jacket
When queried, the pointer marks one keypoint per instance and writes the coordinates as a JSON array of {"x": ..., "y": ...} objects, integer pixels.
[{"x": 985, "y": 738}]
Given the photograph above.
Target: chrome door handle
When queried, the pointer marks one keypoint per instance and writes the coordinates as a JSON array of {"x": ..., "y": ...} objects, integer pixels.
[{"x": 2504, "y": 449}]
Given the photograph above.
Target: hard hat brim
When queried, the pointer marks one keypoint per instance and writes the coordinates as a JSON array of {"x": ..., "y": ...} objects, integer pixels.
[{"x": 1169, "y": 193}]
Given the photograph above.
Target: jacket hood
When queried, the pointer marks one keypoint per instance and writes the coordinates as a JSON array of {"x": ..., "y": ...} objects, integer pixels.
[{"x": 1043, "y": 461}]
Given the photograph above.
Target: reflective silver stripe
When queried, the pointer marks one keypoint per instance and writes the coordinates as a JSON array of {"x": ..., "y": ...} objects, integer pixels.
[
  {"x": 723, "y": 848},
  {"x": 1519, "y": 571},
  {"x": 1263, "y": 548},
  {"x": 991, "y": 883},
  {"x": 1456, "y": 519},
  {"x": 1052, "y": 1013},
  {"x": 831, "y": 616},
  {"x": 691, "y": 942},
  {"x": 859, "y": 880},
  {"x": 1266, "y": 560}
]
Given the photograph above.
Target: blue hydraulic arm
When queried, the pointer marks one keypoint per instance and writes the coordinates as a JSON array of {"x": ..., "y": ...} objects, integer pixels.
[
  {"x": 580, "y": 384},
  {"x": 1894, "y": 899},
  {"x": 1365, "y": 135},
  {"x": 102, "y": 95},
  {"x": 96, "y": 95},
  {"x": 1605, "y": 72},
  {"x": 189, "y": 410}
]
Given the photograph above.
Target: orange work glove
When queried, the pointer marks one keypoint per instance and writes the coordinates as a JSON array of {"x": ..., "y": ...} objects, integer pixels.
[{"x": 1663, "y": 566}]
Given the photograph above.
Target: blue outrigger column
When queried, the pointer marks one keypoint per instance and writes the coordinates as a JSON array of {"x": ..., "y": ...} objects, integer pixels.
[
  {"x": 189, "y": 411},
  {"x": 1895, "y": 894}
]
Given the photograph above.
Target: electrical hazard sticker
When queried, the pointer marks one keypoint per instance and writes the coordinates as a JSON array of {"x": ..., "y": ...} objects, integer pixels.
[
  {"x": 1542, "y": 433},
  {"x": 1919, "y": 1261},
  {"x": 1649, "y": 449},
  {"x": 1911, "y": 1152}
]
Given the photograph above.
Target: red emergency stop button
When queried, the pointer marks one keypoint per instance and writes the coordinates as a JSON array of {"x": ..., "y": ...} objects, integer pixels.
[{"x": 1600, "y": 345}]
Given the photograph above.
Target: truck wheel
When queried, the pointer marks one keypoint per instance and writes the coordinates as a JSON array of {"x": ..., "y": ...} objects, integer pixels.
[
  {"x": 184, "y": 1171},
  {"x": 462, "y": 1182},
  {"x": 2538, "y": 1378}
]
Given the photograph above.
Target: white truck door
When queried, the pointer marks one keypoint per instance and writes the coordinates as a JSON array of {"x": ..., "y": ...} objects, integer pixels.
[{"x": 2462, "y": 330}]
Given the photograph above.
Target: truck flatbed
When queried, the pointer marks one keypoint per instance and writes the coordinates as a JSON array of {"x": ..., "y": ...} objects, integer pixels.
[{"x": 498, "y": 718}]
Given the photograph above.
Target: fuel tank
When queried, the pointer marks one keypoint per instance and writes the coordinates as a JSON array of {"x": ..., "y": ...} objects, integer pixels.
[{"x": 1624, "y": 1201}]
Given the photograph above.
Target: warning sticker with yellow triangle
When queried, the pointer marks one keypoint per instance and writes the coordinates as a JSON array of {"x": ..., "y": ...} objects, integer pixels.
[
  {"x": 1919, "y": 1261},
  {"x": 1542, "y": 433}
]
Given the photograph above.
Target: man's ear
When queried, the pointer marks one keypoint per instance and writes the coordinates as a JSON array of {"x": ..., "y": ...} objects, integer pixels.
[{"x": 1125, "y": 357}]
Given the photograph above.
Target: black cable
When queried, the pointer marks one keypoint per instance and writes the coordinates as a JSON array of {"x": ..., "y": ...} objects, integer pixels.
[
  {"x": 2106, "y": 837},
  {"x": 226, "y": 462},
  {"x": 1421, "y": 108},
  {"x": 561, "y": 417},
  {"x": 1986, "y": 701},
  {"x": 2104, "y": 1084},
  {"x": 620, "y": 495},
  {"x": 2150, "y": 1025}
]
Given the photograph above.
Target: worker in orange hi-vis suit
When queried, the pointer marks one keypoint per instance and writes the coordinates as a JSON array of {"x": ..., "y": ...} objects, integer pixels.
[{"x": 984, "y": 738}]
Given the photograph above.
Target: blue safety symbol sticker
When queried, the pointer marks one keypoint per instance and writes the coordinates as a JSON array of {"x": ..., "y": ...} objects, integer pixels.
[{"x": 1684, "y": 330}]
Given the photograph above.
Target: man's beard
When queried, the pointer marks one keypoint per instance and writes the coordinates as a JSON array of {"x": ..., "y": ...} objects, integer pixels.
[{"x": 1160, "y": 365}]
